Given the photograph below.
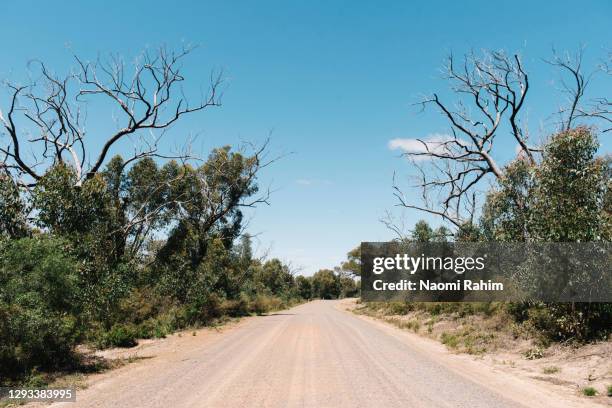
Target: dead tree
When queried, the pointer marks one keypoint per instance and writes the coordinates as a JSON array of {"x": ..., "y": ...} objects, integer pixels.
[
  {"x": 491, "y": 91},
  {"x": 47, "y": 117},
  {"x": 571, "y": 65},
  {"x": 600, "y": 109}
]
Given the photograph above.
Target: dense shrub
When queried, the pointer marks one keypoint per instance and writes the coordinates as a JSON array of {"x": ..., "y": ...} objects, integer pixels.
[
  {"x": 263, "y": 304},
  {"x": 120, "y": 335},
  {"x": 326, "y": 285},
  {"x": 153, "y": 328},
  {"x": 565, "y": 197},
  {"x": 95, "y": 273},
  {"x": 13, "y": 222},
  {"x": 236, "y": 307},
  {"x": 38, "y": 287},
  {"x": 572, "y": 321}
]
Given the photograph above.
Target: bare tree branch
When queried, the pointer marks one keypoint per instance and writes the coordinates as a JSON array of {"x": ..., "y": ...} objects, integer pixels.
[
  {"x": 491, "y": 91},
  {"x": 572, "y": 65},
  {"x": 148, "y": 93},
  {"x": 600, "y": 109}
]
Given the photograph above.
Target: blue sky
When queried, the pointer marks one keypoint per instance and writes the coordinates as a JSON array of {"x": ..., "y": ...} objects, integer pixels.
[{"x": 333, "y": 81}]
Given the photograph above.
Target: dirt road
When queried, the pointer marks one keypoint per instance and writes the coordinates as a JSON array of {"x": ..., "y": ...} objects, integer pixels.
[{"x": 314, "y": 355}]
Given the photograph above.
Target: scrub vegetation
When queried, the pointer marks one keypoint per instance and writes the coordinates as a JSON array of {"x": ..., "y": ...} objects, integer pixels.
[
  {"x": 567, "y": 197},
  {"x": 105, "y": 250},
  {"x": 555, "y": 190}
]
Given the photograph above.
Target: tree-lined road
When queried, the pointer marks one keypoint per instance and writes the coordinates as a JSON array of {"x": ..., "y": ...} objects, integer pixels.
[{"x": 313, "y": 355}]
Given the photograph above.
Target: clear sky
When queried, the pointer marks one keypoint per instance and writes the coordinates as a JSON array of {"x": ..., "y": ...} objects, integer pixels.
[{"x": 332, "y": 80}]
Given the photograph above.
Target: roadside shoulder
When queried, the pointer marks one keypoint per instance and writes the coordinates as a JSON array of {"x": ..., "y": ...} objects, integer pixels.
[{"x": 521, "y": 388}]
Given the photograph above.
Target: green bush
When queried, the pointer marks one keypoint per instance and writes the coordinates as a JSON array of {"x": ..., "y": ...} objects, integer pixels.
[
  {"x": 153, "y": 328},
  {"x": 263, "y": 304},
  {"x": 570, "y": 321},
  {"x": 203, "y": 310},
  {"x": 38, "y": 327},
  {"x": 399, "y": 308},
  {"x": 120, "y": 335},
  {"x": 450, "y": 340},
  {"x": 235, "y": 307},
  {"x": 326, "y": 284}
]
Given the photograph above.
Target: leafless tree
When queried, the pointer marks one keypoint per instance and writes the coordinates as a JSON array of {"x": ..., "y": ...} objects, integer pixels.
[
  {"x": 600, "y": 109},
  {"x": 47, "y": 116},
  {"x": 396, "y": 224},
  {"x": 571, "y": 65},
  {"x": 491, "y": 90}
]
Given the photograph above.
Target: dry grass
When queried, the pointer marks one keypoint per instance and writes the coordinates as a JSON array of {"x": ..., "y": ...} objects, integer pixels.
[
  {"x": 468, "y": 328},
  {"x": 551, "y": 370}
]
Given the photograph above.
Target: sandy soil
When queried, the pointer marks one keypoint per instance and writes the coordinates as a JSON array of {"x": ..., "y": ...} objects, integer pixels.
[{"x": 314, "y": 355}]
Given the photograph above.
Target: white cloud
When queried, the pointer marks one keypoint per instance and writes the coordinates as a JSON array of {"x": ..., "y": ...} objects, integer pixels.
[
  {"x": 304, "y": 182},
  {"x": 433, "y": 143},
  {"x": 311, "y": 182}
]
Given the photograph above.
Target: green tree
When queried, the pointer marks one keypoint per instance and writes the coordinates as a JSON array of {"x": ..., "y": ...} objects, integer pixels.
[
  {"x": 326, "y": 284},
  {"x": 441, "y": 234},
  {"x": 568, "y": 205},
  {"x": 38, "y": 304},
  {"x": 506, "y": 210},
  {"x": 84, "y": 215},
  {"x": 567, "y": 201},
  {"x": 210, "y": 200},
  {"x": 353, "y": 263},
  {"x": 348, "y": 286},
  {"x": 13, "y": 223},
  {"x": 65, "y": 208},
  {"x": 304, "y": 287},
  {"x": 561, "y": 199},
  {"x": 422, "y": 232},
  {"x": 273, "y": 277}
]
